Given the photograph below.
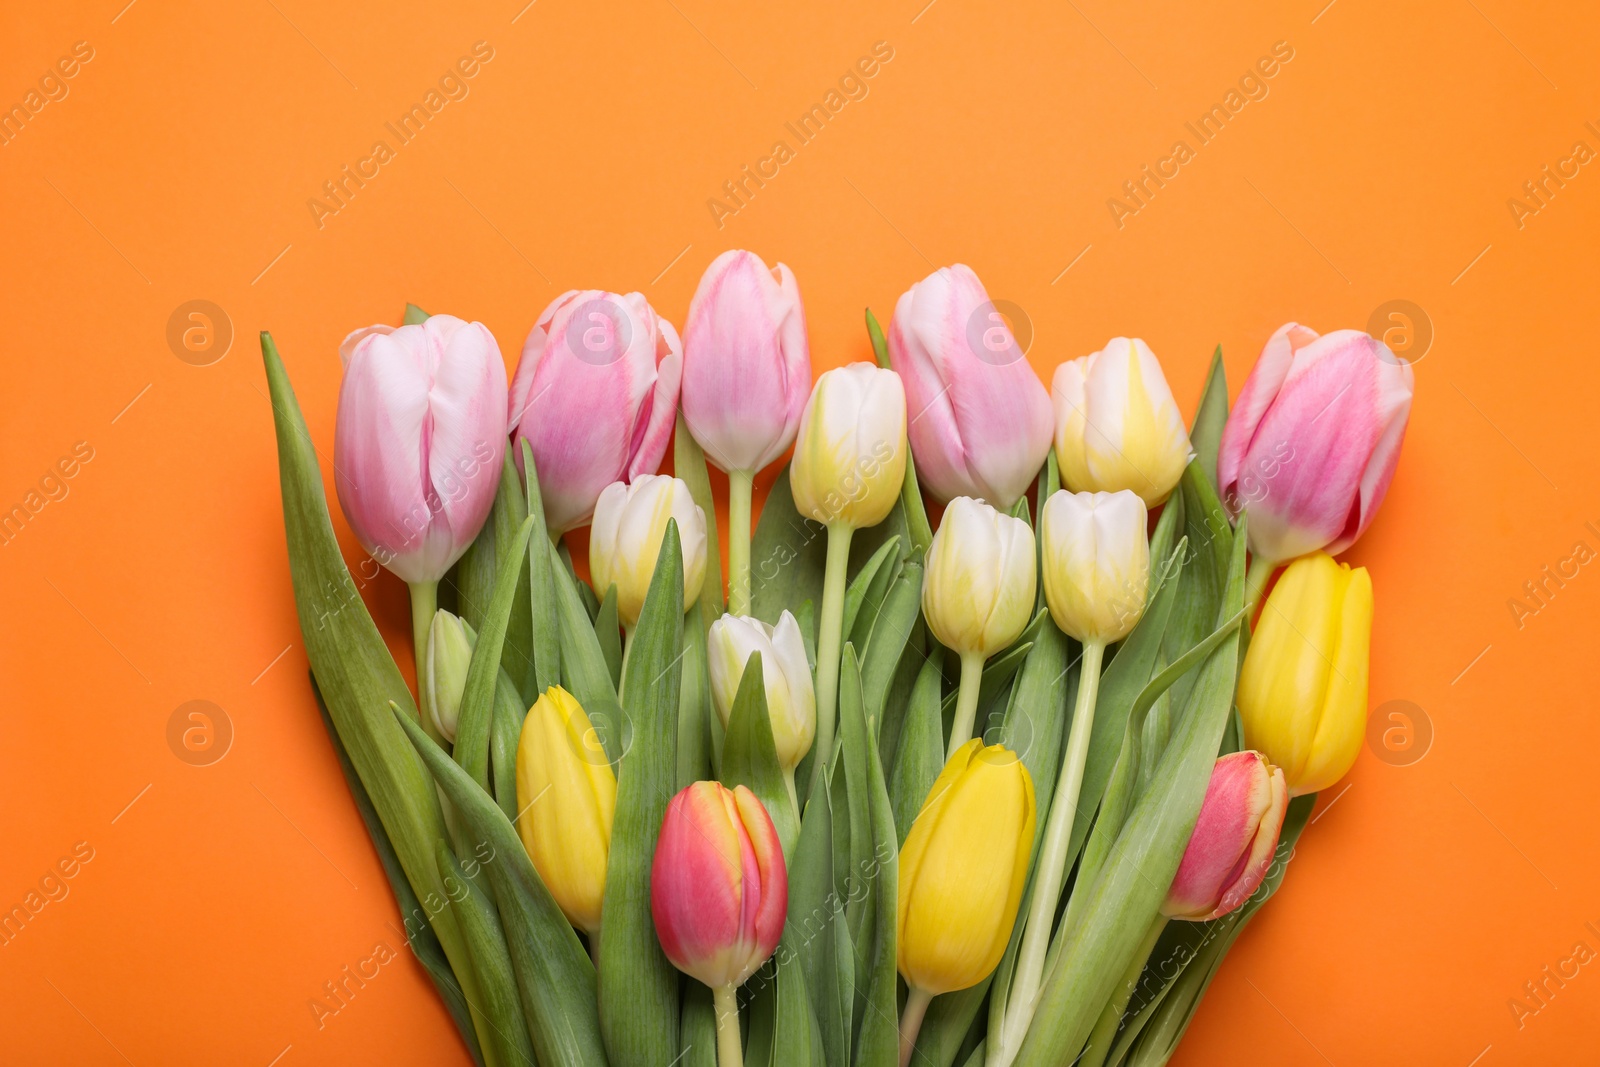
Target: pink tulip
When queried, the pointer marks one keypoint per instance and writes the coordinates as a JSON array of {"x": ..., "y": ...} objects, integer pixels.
[
  {"x": 595, "y": 395},
  {"x": 746, "y": 364},
  {"x": 718, "y": 886},
  {"x": 1234, "y": 839},
  {"x": 981, "y": 421},
  {"x": 1313, "y": 440},
  {"x": 419, "y": 442}
]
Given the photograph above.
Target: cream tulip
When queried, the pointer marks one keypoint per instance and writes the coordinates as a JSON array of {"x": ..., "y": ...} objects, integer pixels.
[
  {"x": 1096, "y": 563},
  {"x": 785, "y": 675},
  {"x": 1117, "y": 426},
  {"x": 630, "y": 521}
]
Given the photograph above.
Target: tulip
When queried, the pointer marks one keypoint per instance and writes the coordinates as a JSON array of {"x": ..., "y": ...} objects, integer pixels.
[
  {"x": 977, "y": 593},
  {"x": 417, "y": 451},
  {"x": 1096, "y": 565},
  {"x": 983, "y": 423},
  {"x": 848, "y": 468},
  {"x": 566, "y": 797},
  {"x": 1312, "y": 443},
  {"x": 1303, "y": 687},
  {"x": 718, "y": 893},
  {"x": 450, "y": 644},
  {"x": 629, "y": 524},
  {"x": 962, "y": 871},
  {"x": 1117, "y": 426},
  {"x": 595, "y": 396},
  {"x": 1233, "y": 841},
  {"x": 746, "y": 376},
  {"x": 785, "y": 676}
]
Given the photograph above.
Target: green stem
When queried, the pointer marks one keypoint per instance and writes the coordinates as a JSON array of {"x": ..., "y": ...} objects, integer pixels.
[
  {"x": 424, "y": 603},
  {"x": 794, "y": 798},
  {"x": 911, "y": 1021},
  {"x": 627, "y": 647},
  {"x": 828, "y": 645},
  {"x": 726, "y": 1002},
  {"x": 966, "y": 701},
  {"x": 1255, "y": 580},
  {"x": 1110, "y": 1021},
  {"x": 1052, "y": 869},
  {"x": 740, "y": 484}
]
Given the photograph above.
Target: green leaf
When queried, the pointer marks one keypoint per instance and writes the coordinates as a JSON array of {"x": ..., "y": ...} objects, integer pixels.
[
  {"x": 508, "y": 516},
  {"x": 554, "y": 976},
  {"x": 477, "y": 698},
  {"x": 879, "y": 1043},
  {"x": 584, "y": 672},
  {"x": 689, "y": 464},
  {"x": 916, "y": 515},
  {"x": 507, "y": 1034},
  {"x": 505, "y": 735},
  {"x": 815, "y": 915},
  {"x": 788, "y": 554},
  {"x": 543, "y": 637},
  {"x": 638, "y": 987},
  {"x": 357, "y": 675},
  {"x": 694, "y": 703},
  {"x": 419, "y": 935},
  {"x": 414, "y": 316},
  {"x": 895, "y": 696},
  {"x": 697, "y": 1030},
  {"x": 866, "y": 590},
  {"x": 608, "y": 631},
  {"x": 750, "y": 757},
  {"x": 921, "y": 753},
  {"x": 1211, "y": 416},
  {"x": 860, "y": 766}
]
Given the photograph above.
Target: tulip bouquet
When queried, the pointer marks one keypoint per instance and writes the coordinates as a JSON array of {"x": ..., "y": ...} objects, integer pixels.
[{"x": 1000, "y": 792}]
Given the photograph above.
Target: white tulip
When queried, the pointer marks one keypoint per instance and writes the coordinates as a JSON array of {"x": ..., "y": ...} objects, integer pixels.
[
  {"x": 1117, "y": 426},
  {"x": 1096, "y": 563},
  {"x": 630, "y": 520},
  {"x": 785, "y": 674},
  {"x": 850, "y": 455},
  {"x": 978, "y": 589}
]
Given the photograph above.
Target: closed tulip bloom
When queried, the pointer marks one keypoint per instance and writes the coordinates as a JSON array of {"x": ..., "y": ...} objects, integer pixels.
[
  {"x": 419, "y": 441},
  {"x": 1096, "y": 563},
  {"x": 1303, "y": 687},
  {"x": 1233, "y": 841},
  {"x": 718, "y": 887},
  {"x": 1117, "y": 426},
  {"x": 595, "y": 396},
  {"x": 962, "y": 870},
  {"x": 450, "y": 644},
  {"x": 746, "y": 363},
  {"x": 850, "y": 457},
  {"x": 785, "y": 675},
  {"x": 629, "y": 524},
  {"x": 566, "y": 796},
  {"x": 978, "y": 589},
  {"x": 984, "y": 421},
  {"x": 1313, "y": 440}
]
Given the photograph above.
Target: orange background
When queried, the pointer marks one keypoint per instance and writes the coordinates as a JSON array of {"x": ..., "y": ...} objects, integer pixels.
[{"x": 179, "y": 165}]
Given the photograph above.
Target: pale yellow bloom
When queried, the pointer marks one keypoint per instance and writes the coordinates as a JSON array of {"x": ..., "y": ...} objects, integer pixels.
[
  {"x": 850, "y": 455},
  {"x": 981, "y": 578},
  {"x": 1117, "y": 426},
  {"x": 630, "y": 519},
  {"x": 1096, "y": 563},
  {"x": 785, "y": 675}
]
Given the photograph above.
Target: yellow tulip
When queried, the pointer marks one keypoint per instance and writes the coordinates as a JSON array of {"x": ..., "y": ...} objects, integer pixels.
[
  {"x": 566, "y": 796},
  {"x": 1303, "y": 688},
  {"x": 850, "y": 455},
  {"x": 962, "y": 870}
]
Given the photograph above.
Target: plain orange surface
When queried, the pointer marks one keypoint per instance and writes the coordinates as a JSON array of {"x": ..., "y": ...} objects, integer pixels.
[{"x": 177, "y": 166}]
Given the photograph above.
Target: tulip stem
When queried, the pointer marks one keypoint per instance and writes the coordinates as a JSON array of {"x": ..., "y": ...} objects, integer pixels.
[
  {"x": 966, "y": 701},
  {"x": 1255, "y": 580},
  {"x": 828, "y": 645},
  {"x": 1052, "y": 869},
  {"x": 424, "y": 604},
  {"x": 740, "y": 486},
  {"x": 911, "y": 1021},
  {"x": 794, "y": 799},
  {"x": 1110, "y": 1021},
  {"x": 726, "y": 1002}
]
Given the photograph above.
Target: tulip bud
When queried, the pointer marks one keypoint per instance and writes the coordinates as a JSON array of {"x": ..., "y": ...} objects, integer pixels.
[
  {"x": 962, "y": 870},
  {"x": 746, "y": 363},
  {"x": 1313, "y": 440},
  {"x": 850, "y": 456},
  {"x": 978, "y": 589},
  {"x": 1096, "y": 563},
  {"x": 419, "y": 441},
  {"x": 566, "y": 797},
  {"x": 1234, "y": 838},
  {"x": 984, "y": 422},
  {"x": 785, "y": 675},
  {"x": 450, "y": 644},
  {"x": 595, "y": 396},
  {"x": 718, "y": 886},
  {"x": 629, "y": 524},
  {"x": 1303, "y": 687},
  {"x": 1117, "y": 426}
]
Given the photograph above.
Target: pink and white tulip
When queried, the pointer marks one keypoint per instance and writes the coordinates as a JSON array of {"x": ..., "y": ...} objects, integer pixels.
[
  {"x": 982, "y": 421},
  {"x": 718, "y": 886},
  {"x": 1313, "y": 440},
  {"x": 419, "y": 441},
  {"x": 595, "y": 395},
  {"x": 746, "y": 362},
  {"x": 1234, "y": 839}
]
